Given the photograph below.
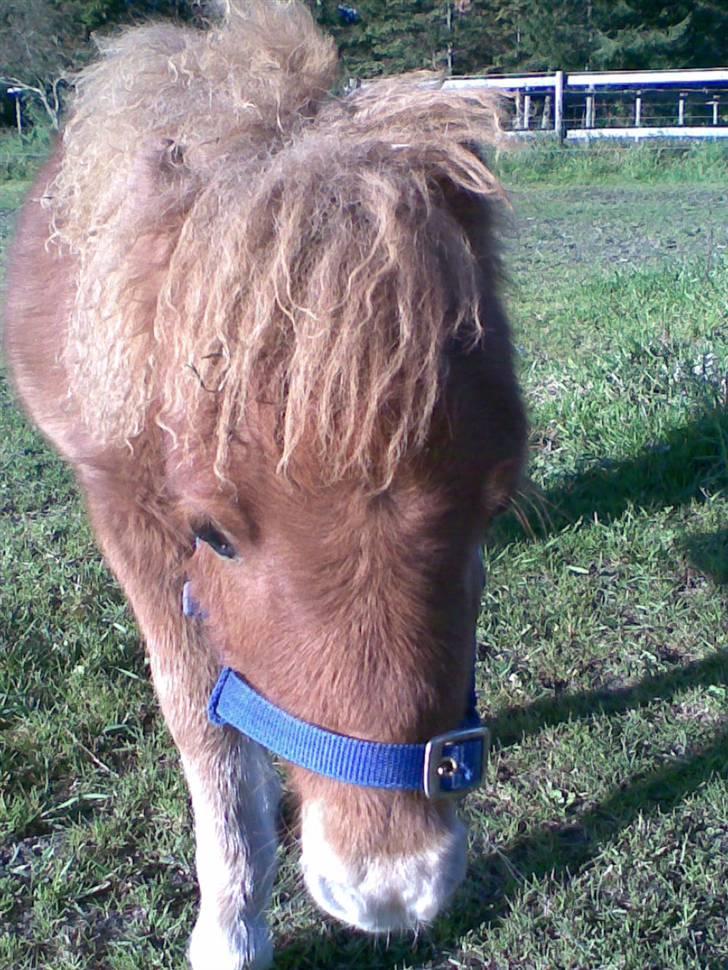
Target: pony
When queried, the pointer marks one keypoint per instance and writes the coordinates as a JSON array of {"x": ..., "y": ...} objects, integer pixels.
[{"x": 262, "y": 324}]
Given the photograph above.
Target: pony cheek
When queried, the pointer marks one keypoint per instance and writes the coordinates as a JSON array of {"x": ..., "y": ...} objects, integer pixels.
[{"x": 222, "y": 630}]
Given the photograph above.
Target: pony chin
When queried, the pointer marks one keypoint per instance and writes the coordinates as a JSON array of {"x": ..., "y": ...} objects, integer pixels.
[{"x": 385, "y": 894}]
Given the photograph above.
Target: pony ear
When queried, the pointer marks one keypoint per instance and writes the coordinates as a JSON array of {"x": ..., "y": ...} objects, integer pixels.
[
  {"x": 158, "y": 179},
  {"x": 159, "y": 189},
  {"x": 159, "y": 168},
  {"x": 172, "y": 156},
  {"x": 500, "y": 486},
  {"x": 126, "y": 263}
]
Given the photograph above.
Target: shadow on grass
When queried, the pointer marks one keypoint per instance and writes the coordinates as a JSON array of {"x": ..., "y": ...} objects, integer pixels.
[
  {"x": 561, "y": 850},
  {"x": 555, "y": 851},
  {"x": 515, "y": 723},
  {"x": 708, "y": 552},
  {"x": 688, "y": 463}
]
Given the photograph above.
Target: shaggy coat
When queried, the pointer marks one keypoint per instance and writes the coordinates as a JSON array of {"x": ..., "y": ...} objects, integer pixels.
[{"x": 245, "y": 308}]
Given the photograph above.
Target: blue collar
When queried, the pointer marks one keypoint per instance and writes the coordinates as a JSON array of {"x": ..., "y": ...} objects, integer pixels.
[{"x": 448, "y": 765}]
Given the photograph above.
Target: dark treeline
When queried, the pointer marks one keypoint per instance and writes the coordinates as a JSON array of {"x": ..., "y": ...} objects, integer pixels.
[
  {"x": 482, "y": 36},
  {"x": 43, "y": 40}
]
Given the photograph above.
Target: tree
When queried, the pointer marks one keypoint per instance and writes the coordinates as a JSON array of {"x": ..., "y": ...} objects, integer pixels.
[
  {"x": 637, "y": 34},
  {"x": 545, "y": 36},
  {"x": 576, "y": 35},
  {"x": 390, "y": 36},
  {"x": 37, "y": 48},
  {"x": 706, "y": 35},
  {"x": 43, "y": 41}
]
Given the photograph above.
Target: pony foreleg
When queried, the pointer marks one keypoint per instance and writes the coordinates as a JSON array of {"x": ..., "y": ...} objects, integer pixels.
[
  {"x": 235, "y": 856},
  {"x": 234, "y": 796},
  {"x": 233, "y": 787}
]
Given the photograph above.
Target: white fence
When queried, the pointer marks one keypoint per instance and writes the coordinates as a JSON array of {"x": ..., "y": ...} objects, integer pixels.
[{"x": 614, "y": 104}]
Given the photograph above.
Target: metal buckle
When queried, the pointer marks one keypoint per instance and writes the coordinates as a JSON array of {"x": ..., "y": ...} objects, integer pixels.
[{"x": 441, "y": 764}]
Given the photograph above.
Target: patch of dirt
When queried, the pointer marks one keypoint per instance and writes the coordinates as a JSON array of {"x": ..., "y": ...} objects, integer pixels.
[
  {"x": 17, "y": 858},
  {"x": 623, "y": 227}
]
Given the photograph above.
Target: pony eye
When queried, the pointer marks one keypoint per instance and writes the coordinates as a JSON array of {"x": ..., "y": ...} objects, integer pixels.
[{"x": 216, "y": 541}]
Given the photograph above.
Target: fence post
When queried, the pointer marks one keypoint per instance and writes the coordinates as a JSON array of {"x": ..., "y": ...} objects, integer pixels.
[
  {"x": 546, "y": 113},
  {"x": 526, "y": 110},
  {"x": 559, "y": 105},
  {"x": 638, "y": 110},
  {"x": 682, "y": 98},
  {"x": 15, "y": 95},
  {"x": 590, "y": 112},
  {"x": 715, "y": 105}
]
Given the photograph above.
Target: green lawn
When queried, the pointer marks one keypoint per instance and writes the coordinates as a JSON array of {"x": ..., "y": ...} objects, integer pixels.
[{"x": 601, "y": 840}]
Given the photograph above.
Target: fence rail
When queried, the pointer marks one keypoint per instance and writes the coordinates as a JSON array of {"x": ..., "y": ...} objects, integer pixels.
[{"x": 612, "y": 104}]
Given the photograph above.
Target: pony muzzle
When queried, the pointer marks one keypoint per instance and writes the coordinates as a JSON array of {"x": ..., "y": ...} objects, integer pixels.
[{"x": 381, "y": 894}]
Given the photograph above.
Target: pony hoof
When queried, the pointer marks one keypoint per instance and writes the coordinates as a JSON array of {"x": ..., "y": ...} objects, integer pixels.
[{"x": 246, "y": 946}]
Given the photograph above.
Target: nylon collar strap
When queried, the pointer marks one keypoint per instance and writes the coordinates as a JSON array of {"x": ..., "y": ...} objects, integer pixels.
[{"x": 448, "y": 765}]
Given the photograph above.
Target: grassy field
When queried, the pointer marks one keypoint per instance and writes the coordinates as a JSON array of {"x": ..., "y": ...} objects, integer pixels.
[{"x": 601, "y": 841}]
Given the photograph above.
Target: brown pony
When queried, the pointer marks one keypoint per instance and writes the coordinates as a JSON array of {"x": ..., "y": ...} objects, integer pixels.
[{"x": 248, "y": 311}]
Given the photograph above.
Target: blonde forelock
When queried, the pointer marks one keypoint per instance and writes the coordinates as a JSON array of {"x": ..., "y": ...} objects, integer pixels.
[{"x": 241, "y": 234}]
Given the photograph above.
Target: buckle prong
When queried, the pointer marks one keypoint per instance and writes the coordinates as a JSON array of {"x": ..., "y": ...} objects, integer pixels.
[
  {"x": 442, "y": 765},
  {"x": 447, "y": 768}
]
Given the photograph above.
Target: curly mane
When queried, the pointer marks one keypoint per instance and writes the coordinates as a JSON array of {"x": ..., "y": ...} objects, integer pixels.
[{"x": 240, "y": 230}]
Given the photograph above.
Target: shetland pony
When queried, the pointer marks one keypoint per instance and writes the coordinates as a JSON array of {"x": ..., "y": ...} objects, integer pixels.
[{"x": 261, "y": 323}]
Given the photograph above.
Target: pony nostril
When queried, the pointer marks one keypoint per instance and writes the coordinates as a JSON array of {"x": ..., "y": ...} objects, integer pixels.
[
  {"x": 333, "y": 897},
  {"x": 388, "y": 914},
  {"x": 382, "y": 914}
]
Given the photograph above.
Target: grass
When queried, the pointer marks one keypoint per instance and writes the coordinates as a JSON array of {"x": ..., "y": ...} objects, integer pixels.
[
  {"x": 601, "y": 842},
  {"x": 20, "y": 155},
  {"x": 615, "y": 164}
]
